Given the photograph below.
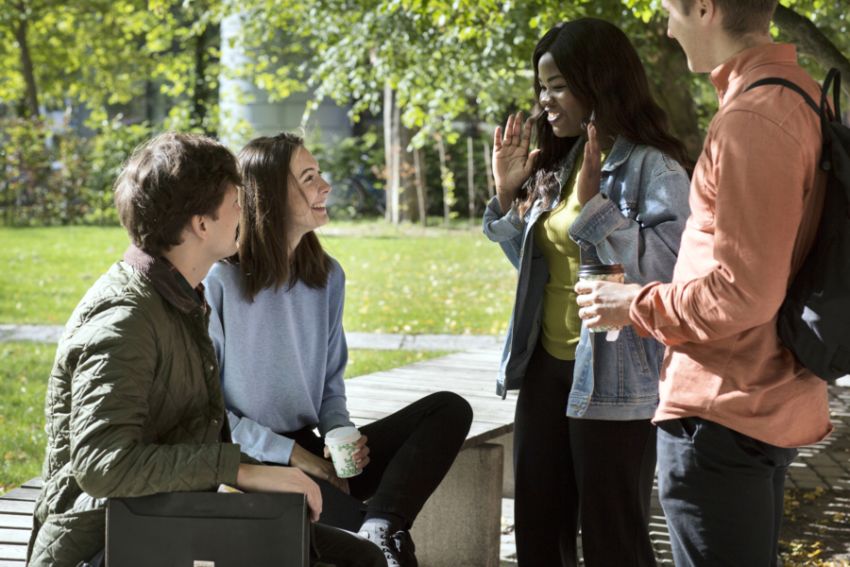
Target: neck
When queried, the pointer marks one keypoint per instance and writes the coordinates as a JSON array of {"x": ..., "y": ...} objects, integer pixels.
[
  {"x": 191, "y": 264},
  {"x": 730, "y": 47},
  {"x": 294, "y": 241}
]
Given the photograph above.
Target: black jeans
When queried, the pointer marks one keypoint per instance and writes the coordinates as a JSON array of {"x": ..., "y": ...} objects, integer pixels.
[
  {"x": 722, "y": 493},
  {"x": 600, "y": 471},
  {"x": 410, "y": 453}
]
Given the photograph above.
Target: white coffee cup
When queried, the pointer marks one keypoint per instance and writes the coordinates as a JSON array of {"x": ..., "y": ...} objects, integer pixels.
[{"x": 342, "y": 444}]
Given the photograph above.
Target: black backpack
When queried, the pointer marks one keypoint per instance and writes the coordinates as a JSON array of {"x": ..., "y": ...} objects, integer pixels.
[{"x": 814, "y": 320}]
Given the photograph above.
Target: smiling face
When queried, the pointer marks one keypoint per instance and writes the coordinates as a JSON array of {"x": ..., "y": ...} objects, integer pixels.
[
  {"x": 307, "y": 195},
  {"x": 563, "y": 110}
]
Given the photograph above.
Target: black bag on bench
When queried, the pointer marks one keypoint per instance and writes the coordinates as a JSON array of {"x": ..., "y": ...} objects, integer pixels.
[{"x": 208, "y": 529}]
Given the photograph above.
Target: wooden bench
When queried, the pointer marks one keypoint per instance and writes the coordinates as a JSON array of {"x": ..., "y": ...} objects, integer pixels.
[
  {"x": 16, "y": 508},
  {"x": 461, "y": 523}
]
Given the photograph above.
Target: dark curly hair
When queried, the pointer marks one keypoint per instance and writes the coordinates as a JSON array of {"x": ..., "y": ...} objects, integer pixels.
[{"x": 166, "y": 182}]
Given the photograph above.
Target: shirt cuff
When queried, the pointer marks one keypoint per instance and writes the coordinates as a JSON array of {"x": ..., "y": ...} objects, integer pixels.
[
  {"x": 229, "y": 459},
  {"x": 499, "y": 225},
  {"x": 597, "y": 220}
]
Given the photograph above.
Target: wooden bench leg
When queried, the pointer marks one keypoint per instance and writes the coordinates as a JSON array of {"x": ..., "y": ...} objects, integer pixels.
[{"x": 460, "y": 524}]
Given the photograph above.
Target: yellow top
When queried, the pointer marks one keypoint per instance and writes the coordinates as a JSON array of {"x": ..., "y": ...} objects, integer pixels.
[{"x": 561, "y": 324}]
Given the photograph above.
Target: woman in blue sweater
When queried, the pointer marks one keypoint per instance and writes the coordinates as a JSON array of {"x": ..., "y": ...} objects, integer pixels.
[{"x": 276, "y": 324}]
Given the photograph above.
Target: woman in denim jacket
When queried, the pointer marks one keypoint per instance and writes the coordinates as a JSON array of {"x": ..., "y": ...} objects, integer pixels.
[{"x": 606, "y": 184}]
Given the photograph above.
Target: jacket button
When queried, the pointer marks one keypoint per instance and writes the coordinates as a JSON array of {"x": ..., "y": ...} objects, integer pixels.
[{"x": 210, "y": 367}]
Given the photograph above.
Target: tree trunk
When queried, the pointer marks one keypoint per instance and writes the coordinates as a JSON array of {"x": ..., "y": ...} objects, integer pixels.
[
  {"x": 396, "y": 164},
  {"x": 488, "y": 170},
  {"x": 446, "y": 180},
  {"x": 31, "y": 97},
  {"x": 202, "y": 94},
  {"x": 419, "y": 171},
  {"x": 388, "y": 150},
  {"x": 470, "y": 176},
  {"x": 812, "y": 41}
]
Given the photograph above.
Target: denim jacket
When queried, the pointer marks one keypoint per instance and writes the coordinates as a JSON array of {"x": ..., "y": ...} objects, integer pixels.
[{"x": 636, "y": 220}]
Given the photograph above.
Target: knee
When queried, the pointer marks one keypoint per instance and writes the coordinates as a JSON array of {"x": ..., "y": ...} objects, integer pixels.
[{"x": 455, "y": 409}]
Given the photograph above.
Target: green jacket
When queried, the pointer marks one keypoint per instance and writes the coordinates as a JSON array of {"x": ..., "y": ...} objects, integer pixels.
[{"x": 134, "y": 407}]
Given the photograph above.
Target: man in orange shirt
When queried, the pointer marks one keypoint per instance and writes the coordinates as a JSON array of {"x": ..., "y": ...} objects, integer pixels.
[{"x": 734, "y": 402}]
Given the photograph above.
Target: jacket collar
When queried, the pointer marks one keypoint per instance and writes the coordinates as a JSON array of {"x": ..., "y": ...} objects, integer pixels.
[
  {"x": 733, "y": 75},
  {"x": 166, "y": 280},
  {"x": 620, "y": 152}
]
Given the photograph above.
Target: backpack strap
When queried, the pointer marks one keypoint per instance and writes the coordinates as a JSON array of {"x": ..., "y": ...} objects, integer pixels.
[
  {"x": 832, "y": 80},
  {"x": 786, "y": 83}
]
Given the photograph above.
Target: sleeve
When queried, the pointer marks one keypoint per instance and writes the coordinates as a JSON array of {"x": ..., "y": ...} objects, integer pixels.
[
  {"x": 759, "y": 206},
  {"x": 110, "y": 388},
  {"x": 258, "y": 441},
  {"x": 647, "y": 248},
  {"x": 506, "y": 230},
  {"x": 333, "y": 412}
]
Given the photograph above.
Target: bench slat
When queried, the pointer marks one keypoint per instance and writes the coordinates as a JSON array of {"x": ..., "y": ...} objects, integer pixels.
[
  {"x": 25, "y": 494},
  {"x": 21, "y": 521},
  {"x": 11, "y": 551},
  {"x": 16, "y": 506},
  {"x": 8, "y": 535}
]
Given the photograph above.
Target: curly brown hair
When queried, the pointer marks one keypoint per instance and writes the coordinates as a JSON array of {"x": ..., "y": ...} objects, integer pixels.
[{"x": 168, "y": 180}]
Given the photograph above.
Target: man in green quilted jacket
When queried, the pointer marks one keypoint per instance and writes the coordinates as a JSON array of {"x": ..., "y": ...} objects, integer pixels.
[{"x": 134, "y": 404}]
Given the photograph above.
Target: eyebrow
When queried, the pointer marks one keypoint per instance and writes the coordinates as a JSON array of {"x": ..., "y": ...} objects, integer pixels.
[
  {"x": 554, "y": 78},
  {"x": 303, "y": 173}
]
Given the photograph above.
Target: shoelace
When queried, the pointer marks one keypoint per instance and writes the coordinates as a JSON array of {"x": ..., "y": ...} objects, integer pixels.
[{"x": 385, "y": 543}]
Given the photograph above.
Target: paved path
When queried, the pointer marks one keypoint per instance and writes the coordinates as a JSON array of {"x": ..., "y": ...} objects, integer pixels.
[{"x": 379, "y": 341}]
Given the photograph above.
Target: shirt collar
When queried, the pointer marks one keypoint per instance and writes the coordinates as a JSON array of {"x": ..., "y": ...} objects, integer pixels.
[
  {"x": 731, "y": 76},
  {"x": 167, "y": 280}
]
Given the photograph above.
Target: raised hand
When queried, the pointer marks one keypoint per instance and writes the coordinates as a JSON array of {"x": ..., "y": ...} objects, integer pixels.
[
  {"x": 512, "y": 162},
  {"x": 590, "y": 175}
]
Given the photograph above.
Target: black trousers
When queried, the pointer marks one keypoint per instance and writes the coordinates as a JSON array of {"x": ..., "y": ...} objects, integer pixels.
[
  {"x": 571, "y": 472},
  {"x": 722, "y": 493},
  {"x": 410, "y": 453}
]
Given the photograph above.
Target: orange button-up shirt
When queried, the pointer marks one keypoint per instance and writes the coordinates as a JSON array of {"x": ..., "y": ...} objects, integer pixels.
[{"x": 756, "y": 197}]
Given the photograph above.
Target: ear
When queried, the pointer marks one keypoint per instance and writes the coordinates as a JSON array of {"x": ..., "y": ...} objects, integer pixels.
[
  {"x": 707, "y": 10},
  {"x": 198, "y": 227}
]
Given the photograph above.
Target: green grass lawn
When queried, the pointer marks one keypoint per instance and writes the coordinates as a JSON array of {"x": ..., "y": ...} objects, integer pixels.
[
  {"x": 24, "y": 368},
  {"x": 398, "y": 280}
]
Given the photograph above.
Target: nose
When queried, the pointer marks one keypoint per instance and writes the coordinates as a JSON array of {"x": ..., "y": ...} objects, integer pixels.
[
  {"x": 325, "y": 187},
  {"x": 544, "y": 97}
]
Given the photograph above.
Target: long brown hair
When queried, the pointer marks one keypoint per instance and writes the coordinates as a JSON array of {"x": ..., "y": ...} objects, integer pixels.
[
  {"x": 603, "y": 71},
  {"x": 263, "y": 255}
]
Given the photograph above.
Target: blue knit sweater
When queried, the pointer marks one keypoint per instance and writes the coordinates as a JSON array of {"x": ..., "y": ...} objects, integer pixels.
[{"x": 282, "y": 359}]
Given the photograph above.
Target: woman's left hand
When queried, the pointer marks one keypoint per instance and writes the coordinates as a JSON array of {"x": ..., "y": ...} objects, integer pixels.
[{"x": 590, "y": 175}]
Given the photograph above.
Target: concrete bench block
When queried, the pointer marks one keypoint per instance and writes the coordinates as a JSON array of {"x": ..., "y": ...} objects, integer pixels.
[{"x": 460, "y": 525}]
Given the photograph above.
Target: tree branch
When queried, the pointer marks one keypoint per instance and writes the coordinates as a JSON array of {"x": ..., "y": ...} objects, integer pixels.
[{"x": 812, "y": 41}]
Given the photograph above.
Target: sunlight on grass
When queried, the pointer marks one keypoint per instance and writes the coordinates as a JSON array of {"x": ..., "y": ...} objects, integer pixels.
[{"x": 399, "y": 280}]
